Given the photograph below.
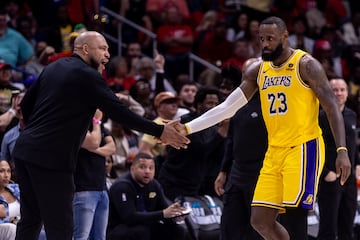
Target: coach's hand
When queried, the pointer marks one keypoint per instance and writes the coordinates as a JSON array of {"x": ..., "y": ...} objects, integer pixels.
[{"x": 171, "y": 136}]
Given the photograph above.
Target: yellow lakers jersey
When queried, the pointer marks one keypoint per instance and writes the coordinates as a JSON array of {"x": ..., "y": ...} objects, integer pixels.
[{"x": 290, "y": 108}]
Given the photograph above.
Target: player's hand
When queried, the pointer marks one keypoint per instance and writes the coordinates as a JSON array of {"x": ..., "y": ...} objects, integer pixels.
[
  {"x": 181, "y": 128},
  {"x": 172, "y": 136},
  {"x": 220, "y": 183},
  {"x": 343, "y": 166}
]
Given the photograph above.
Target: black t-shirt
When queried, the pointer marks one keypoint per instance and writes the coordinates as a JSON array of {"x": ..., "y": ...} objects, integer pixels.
[
  {"x": 330, "y": 147},
  {"x": 90, "y": 169},
  {"x": 246, "y": 144},
  {"x": 186, "y": 168}
]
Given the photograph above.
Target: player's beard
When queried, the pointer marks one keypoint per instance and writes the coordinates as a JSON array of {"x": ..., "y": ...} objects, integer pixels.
[{"x": 274, "y": 54}]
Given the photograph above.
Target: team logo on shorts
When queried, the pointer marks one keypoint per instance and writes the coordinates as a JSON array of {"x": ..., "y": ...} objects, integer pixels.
[{"x": 309, "y": 199}]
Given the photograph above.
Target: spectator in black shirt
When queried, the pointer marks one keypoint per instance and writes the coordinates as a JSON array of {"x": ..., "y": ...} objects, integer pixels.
[
  {"x": 138, "y": 204},
  {"x": 337, "y": 204},
  {"x": 183, "y": 171},
  {"x": 91, "y": 201},
  {"x": 245, "y": 148}
]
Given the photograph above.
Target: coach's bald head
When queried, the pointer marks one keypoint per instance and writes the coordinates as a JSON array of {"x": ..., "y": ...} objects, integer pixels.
[{"x": 92, "y": 47}]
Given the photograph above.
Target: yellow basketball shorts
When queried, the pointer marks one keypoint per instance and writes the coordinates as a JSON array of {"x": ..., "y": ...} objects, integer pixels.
[{"x": 290, "y": 176}]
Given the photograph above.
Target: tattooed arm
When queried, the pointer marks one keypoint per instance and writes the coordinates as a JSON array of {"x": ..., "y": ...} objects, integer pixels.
[{"x": 313, "y": 74}]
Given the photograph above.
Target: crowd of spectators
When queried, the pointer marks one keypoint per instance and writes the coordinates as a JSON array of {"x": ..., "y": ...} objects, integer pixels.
[
  {"x": 219, "y": 31},
  {"x": 35, "y": 33}
]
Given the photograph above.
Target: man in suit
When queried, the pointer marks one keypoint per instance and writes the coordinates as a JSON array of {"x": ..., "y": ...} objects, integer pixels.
[{"x": 57, "y": 111}]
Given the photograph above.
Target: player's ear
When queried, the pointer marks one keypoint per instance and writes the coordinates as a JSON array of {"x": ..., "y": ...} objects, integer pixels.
[{"x": 285, "y": 35}]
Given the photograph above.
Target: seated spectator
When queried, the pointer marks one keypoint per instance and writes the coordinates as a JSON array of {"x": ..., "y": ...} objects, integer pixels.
[
  {"x": 240, "y": 53},
  {"x": 26, "y": 25},
  {"x": 187, "y": 94},
  {"x": 204, "y": 28},
  {"x": 315, "y": 18},
  {"x": 175, "y": 41},
  {"x": 237, "y": 30},
  {"x": 299, "y": 38},
  {"x": 141, "y": 92},
  {"x": 324, "y": 50},
  {"x": 138, "y": 207},
  {"x": 56, "y": 56},
  {"x": 155, "y": 8},
  {"x": 152, "y": 71},
  {"x": 7, "y": 89},
  {"x": 14, "y": 48},
  {"x": 10, "y": 137},
  {"x": 16, "y": 9},
  {"x": 132, "y": 56},
  {"x": 42, "y": 53},
  {"x": 59, "y": 33},
  {"x": 351, "y": 30},
  {"x": 252, "y": 36},
  {"x": 216, "y": 47},
  {"x": 126, "y": 140},
  {"x": 110, "y": 172},
  {"x": 9, "y": 204},
  {"x": 166, "y": 105},
  {"x": 9, "y": 195},
  {"x": 118, "y": 78}
]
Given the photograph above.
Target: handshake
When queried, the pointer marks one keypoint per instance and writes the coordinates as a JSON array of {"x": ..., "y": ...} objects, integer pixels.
[{"x": 174, "y": 134}]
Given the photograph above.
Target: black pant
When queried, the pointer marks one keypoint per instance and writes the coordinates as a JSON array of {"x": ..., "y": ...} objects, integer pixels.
[
  {"x": 45, "y": 198},
  {"x": 235, "y": 219},
  {"x": 337, "y": 207},
  {"x": 295, "y": 222},
  {"x": 147, "y": 232}
]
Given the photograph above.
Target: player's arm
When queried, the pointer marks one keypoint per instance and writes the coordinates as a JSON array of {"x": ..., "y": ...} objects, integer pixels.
[
  {"x": 312, "y": 73},
  {"x": 236, "y": 100}
]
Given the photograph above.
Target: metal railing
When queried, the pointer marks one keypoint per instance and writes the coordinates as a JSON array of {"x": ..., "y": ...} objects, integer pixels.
[
  {"x": 121, "y": 20},
  {"x": 192, "y": 57}
]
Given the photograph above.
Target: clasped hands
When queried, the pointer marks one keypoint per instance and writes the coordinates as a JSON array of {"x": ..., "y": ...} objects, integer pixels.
[{"x": 174, "y": 134}]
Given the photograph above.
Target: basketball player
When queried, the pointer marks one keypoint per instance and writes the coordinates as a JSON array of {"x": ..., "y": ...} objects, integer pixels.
[{"x": 291, "y": 84}]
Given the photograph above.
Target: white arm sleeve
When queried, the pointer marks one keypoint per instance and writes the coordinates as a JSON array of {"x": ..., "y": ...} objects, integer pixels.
[{"x": 226, "y": 109}]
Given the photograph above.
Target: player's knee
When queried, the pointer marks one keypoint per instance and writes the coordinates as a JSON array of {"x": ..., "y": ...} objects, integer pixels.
[
  {"x": 260, "y": 220},
  {"x": 257, "y": 223}
]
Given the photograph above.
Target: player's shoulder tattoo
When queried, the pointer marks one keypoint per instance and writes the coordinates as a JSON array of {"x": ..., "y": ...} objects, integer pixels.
[{"x": 310, "y": 67}]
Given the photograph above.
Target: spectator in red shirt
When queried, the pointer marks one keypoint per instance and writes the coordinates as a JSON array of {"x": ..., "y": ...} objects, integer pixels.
[
  {"x": 157, "y": 9},
  {"x": 241, "y": 53},
  {"x": 118, "y": 78},
  {"x": 216, "y": 47},
  {"x": 175, "y": 41}
]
